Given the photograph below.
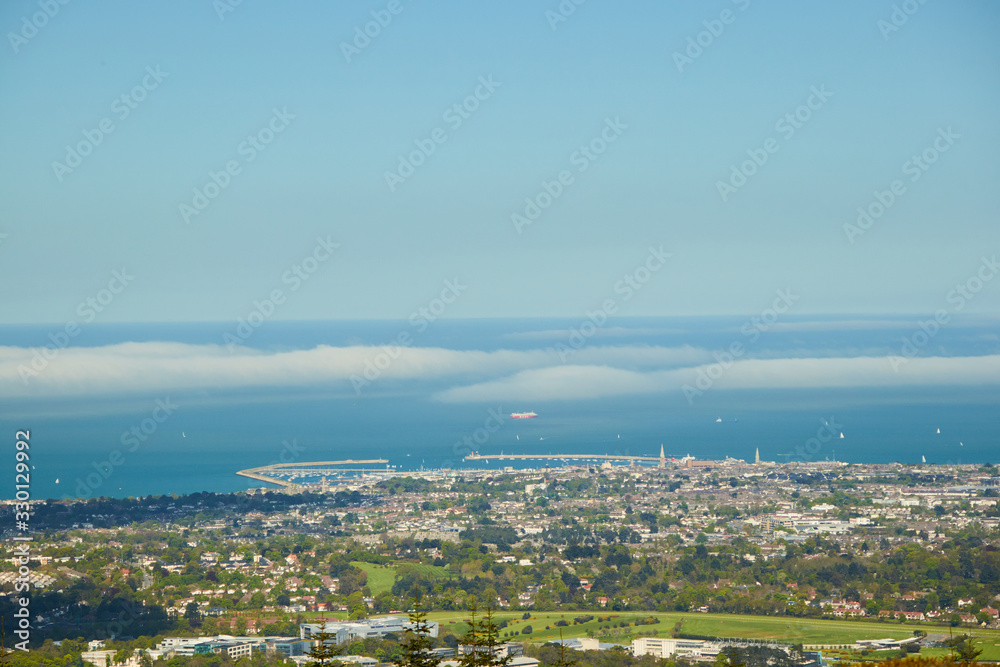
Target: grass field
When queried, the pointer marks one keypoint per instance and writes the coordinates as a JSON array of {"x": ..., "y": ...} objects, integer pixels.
[
  {"x": 781, "y": 628},
  {"x": 785, "y": 629},
  {"x": 991, "y": 652},
  {"x": 381, "y": 577}
]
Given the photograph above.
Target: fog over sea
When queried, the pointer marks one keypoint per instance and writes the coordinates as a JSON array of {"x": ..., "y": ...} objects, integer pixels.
[{"x": 298, "y": 391}]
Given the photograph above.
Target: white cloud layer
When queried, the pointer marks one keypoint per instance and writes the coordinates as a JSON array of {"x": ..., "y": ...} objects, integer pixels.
[
  {"x": 509, "y": 375},
  {"x": 164, "y": 366},
  {"x": 810, "y": 373}
]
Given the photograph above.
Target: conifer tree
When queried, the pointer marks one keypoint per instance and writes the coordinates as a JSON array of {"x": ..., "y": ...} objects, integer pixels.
[
  {"x": 564, "y": 661},
  {"x": 323, "y": 654},
  {"x": 415, "y": 644},
  {"x": 483, "y": 638}
]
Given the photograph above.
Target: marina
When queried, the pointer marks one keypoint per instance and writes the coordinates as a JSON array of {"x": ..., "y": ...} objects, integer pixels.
[{"x": 273, "y": 473}]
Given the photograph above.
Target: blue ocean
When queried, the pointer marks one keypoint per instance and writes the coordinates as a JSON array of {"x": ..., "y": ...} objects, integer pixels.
[{"x": 80, "y": 447}]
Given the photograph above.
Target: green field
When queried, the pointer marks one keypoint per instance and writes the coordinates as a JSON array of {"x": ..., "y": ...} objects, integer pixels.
[
  {"x": 782, "y": 628},
  {"x": 381, "y": 577},
  {"x": 991, "y": 652}
]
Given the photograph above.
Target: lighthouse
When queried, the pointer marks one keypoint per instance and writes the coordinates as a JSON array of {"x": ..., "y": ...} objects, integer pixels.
[{"x": 756, "y": 456}]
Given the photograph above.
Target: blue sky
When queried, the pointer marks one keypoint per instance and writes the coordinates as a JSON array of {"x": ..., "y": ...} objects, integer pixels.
[{"x": 555, "y": 90}]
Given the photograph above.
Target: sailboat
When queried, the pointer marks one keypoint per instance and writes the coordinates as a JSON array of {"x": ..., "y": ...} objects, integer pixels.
[
  {"x": 57, "y": 480},
  {"x": 841, "y": 435},
  {"x": 183, "y": 435},
  {"x": 923, "y": 459},
  {"x": 719, "y": 420},
  {"x": 939, "y": 432}
]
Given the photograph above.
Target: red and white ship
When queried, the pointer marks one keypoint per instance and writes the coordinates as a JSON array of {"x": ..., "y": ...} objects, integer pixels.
[{"x": 523, "y": 415}]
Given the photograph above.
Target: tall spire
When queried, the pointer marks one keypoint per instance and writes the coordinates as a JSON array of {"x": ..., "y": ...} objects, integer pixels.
[
  {"x": 663, "y": 458},
  {"x": 756, "y": 457}
]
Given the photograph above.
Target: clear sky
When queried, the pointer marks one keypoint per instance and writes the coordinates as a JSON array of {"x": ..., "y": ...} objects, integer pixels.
[{"x": 198, "y": 81}]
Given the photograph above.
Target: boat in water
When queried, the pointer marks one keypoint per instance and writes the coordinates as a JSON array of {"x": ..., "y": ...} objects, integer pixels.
[{"x": 523, "y": 415}]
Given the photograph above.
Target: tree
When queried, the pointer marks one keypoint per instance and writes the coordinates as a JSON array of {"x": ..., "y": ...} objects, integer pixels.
[
  {"x": 964, "y": 649},
  {"x": 563, "y": 661},
  {"x": 483, "y": 640},
  {"x": 323, "y": 651},
  {"x": 416, "y": 642},
  {"x": 192, "y": 614}
]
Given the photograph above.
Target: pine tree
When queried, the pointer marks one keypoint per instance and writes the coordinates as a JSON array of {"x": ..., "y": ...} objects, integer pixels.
[
  {"x": 964, "y": 649},
  {"x": 471, "y": 640},
  {"x": 416, "y": 642},
  {"x": 563, "y": 661},
  {"x": 483, "y": 638},
  {"x": 489, "y": 635},
  {"x": 323, "y": 654}
]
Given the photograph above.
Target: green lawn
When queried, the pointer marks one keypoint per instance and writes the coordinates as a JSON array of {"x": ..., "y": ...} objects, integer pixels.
[
  {"x": 381, "y": 577},
  {"x": 785, "y": 629},
  {"x": 991, "y": 652}
]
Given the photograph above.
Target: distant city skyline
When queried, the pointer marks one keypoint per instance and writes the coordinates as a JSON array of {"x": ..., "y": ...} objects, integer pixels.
[{"x": 225, "y": 161}]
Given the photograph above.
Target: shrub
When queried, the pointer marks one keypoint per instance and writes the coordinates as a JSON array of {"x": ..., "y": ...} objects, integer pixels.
[{"x": 526, "y": 630}]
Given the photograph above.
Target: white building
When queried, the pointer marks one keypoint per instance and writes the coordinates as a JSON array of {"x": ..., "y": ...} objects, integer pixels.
[
  {"x": 661, "y": 647},
  {"x": 372, "y": 627}
]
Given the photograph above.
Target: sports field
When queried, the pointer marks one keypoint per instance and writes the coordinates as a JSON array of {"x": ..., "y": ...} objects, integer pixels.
[
  {"x": 781, "y": 628},
  {"x": 381, "y": 577}
]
